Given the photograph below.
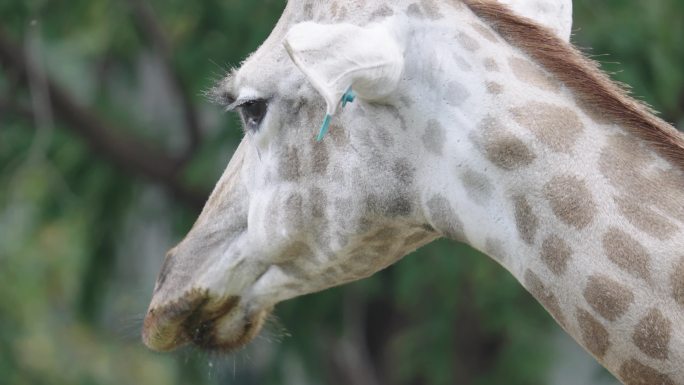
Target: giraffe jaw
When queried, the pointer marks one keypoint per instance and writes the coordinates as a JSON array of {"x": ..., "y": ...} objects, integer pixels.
[{"x": 213, "y": 324}]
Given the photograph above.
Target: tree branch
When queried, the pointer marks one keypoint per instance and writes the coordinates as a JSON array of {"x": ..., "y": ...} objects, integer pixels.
[
  {"x": 151, "y": 29},
  {"x": 102, "y": 136}
]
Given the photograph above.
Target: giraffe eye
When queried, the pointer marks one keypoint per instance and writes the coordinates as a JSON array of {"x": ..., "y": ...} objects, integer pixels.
[{"x": 252, "y": 113}]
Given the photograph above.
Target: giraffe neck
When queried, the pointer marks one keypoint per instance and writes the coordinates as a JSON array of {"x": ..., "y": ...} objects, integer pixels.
[{"x": 589, "y": 218}]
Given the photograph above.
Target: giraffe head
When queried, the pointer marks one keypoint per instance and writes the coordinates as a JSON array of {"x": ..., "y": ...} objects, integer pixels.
[{"x": 292, "y": 215}]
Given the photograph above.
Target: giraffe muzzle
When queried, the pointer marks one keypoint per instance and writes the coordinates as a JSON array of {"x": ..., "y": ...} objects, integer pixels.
[{"x": 215, "y": 324}]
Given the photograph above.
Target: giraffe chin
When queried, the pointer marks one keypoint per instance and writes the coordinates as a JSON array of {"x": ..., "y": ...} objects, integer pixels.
[{"x": 220, "y": 325}]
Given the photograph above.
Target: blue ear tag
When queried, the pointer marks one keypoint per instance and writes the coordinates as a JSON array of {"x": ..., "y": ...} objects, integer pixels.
[
  {"x": 348, "y": 97},
  {"x": 324, "y": 127}
]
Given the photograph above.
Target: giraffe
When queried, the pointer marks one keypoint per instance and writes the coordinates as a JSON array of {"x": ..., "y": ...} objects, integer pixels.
[{"x": 497, "y": 133}]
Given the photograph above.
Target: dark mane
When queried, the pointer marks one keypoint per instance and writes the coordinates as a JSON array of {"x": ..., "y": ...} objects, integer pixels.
[{"x": 594, "y": 89}]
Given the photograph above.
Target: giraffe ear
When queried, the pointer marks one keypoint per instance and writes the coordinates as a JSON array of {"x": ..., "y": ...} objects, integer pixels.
[
  {"x": 335, "y": 57},
  {"x": 553, "y": 14}
]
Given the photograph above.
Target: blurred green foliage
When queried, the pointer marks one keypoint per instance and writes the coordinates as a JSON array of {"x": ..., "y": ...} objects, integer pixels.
[{"x": 76, "y": 271}]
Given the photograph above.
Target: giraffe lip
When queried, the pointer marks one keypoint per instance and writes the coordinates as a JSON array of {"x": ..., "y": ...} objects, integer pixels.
[{"x": 191, "y": 318}]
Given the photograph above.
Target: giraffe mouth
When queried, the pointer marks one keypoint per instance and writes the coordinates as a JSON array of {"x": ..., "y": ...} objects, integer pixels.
[{"x": 212, "y": 324}]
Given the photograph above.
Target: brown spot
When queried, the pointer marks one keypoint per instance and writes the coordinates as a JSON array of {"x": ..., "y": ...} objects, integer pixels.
[
  {"x": 404, "y": 172},
  {"x": 296, "y": 250},
  {"x": 525, "y": 219},
  {"x": 544, "y": 295},
  {"x": 462, "y": 63},
  {"x": 338, "y": 135},
  {"x": 288, "y": 166},
  {"x": 609, "y": 298},
  {"x": 622, "y": 159},
  {"x": 467, "y": 42},
  {"x": 626, "y": 252},
  {"x": 594, "y": 335},
  {"x": 431, "y": 9},
  {"x": 645, "y": 219},
  {"x": 408, "y": 102},
  {"x": 434, "y": 137},
  {"x": 502, "y": 148},
  {"x": 383, "y": 136},
  {"x": 678, "y": 282},
  {"x": 477, "y": 186},
  {"x": 555, "y": 126},
  {"x": 529, "y": 72},
  {"x": 413, "y": 10},
  {"x": 444, "y": 219},
  {"x": 343, "y": 13},
  {"x": 652, "y": 335},
  {"x": 625, "y": 162},
  {"x": 389, "y": 206},
  {"x": 319, "y": 159},
  {"x": 295, "y": 267},
  {"x": 633, "y": 372},
  {"x": 456, "y": 93},
  {"x": 508, "y": 153},
  {"x": 292, "y": 213},
  {"x": 308, "y": 12},
  {"x": 494, "y": 88},
  {"x": 671, "y": 184},
  {"x": 594, "y": 112},
  {"x": 555, "y": 253},
  {"x": 317, "y": 202},
  {"x": 400, "y": 206},
  {"x": 383, "y": 11},
  {"x": 571, "y": 200},
  {"x": 490, "y": 65},
  {"x": 485, "y": 32}
]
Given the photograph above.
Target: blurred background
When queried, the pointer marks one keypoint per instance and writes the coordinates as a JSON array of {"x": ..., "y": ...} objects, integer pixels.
[{"x": 108, "y": 150}]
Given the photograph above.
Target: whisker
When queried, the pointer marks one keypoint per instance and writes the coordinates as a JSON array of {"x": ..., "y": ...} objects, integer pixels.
[{"x": 128, "y": 328}]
